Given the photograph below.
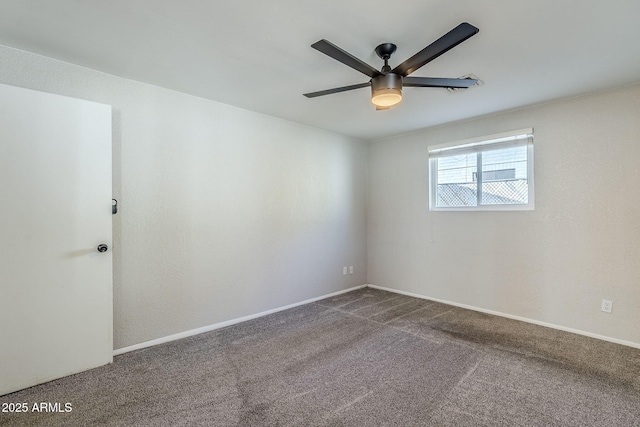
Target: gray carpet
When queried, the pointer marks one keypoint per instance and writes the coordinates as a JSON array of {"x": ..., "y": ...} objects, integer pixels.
[{"x": 366, "y": 358}]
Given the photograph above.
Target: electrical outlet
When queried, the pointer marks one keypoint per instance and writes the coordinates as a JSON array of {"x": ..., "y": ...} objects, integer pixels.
[
  {"x": 344, "y": 270},
  {"x": 606, "y": 306},
  {"x": 351, "y": 269}
]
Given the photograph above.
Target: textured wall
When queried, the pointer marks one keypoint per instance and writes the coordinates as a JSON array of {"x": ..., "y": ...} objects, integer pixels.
[
  {"x": 554, "y": 264},
  {"x": 224, "y": 212}
]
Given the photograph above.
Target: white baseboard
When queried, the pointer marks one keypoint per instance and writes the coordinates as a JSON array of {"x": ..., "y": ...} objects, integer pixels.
[
  {"x": 511, "y": 316},
  {"x": 224, "y": 324}
]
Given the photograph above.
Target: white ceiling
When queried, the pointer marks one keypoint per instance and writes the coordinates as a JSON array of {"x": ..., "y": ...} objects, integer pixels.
[{"x": 257, "y": 55}]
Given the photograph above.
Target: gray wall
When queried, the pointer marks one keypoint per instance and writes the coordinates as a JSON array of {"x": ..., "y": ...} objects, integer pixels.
[
  {"x": 554, "y": 264},
  {"x": 224, "y": 212}
]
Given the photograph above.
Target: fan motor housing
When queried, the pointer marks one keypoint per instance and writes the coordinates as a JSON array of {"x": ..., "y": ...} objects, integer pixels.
[{"x": 386, "y": 81}]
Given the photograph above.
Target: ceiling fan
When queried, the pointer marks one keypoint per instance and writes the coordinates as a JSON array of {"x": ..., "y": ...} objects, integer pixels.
[{"x": 386, "y": 84}]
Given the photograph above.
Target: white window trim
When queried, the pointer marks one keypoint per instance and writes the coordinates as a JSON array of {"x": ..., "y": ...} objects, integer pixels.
[{"x": 500, "y": 140}]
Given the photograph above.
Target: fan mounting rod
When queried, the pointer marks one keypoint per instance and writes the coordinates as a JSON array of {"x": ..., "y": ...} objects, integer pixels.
[{"x": 384, "y": 51}]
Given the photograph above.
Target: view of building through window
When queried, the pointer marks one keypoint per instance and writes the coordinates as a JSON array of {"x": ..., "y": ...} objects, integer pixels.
[{"x": 488, "y": 174}]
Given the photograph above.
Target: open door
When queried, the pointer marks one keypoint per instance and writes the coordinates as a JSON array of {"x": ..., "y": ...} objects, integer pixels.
[{"x": 56, "y": 297}]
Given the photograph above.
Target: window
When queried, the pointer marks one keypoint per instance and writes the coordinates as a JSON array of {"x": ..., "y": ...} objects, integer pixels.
[{"x": 489, "y": 173}]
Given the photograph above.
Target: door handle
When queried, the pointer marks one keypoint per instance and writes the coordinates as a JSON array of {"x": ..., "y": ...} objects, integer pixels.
[{"x": 102, "y": 248}]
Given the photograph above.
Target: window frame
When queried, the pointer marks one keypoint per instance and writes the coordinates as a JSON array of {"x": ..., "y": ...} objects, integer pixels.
[{"x": 479, "y": 145}]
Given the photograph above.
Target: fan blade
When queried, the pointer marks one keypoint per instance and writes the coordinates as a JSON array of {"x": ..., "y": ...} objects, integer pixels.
[
  {"x": 445, "y": 43},
  {"x": 437, "y": 82},
  {"x": 381, "y": 108},
  {"x": 346, "y": 58},
  {"x": 336, "y": 90}
]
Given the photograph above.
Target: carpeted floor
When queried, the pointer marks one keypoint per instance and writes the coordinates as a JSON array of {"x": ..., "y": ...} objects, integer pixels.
[{"x": 365, "y": 358}]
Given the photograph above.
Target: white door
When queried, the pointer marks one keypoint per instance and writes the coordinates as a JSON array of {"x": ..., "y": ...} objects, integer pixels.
[{"x": 56, "y": 304}]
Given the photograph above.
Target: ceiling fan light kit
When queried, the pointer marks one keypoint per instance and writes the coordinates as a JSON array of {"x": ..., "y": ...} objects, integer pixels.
[
  {"x": 386, "y": 84},
  {"x": 386, "y": 90}
]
